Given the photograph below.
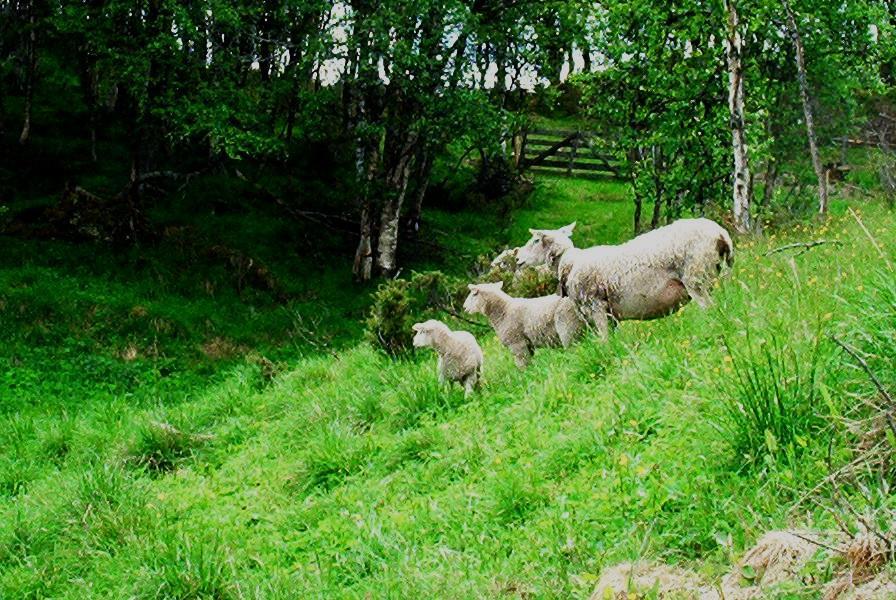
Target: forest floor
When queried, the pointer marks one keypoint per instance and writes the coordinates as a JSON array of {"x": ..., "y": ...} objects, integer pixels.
[{"x": 169, "y": 431}]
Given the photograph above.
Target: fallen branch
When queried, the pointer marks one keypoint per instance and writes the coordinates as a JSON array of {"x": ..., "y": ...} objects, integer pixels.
[{"x": 806, "y": 246}]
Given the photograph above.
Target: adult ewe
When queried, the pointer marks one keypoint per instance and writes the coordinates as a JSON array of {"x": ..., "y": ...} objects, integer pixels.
[
  {"x": 523, "y": 324},
  {"x": 460, "y": 357},
  {"x": 645, "y": 278}
]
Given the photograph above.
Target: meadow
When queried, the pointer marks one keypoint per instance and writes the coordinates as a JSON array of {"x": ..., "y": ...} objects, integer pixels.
[{"x": 165, "y": 433}]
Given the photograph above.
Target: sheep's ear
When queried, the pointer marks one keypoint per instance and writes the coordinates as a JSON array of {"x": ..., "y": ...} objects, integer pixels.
[
  {"x": 567, "y": 231},
  {"x": 471, "y": 286},
  {"x": 536, "y": 233},
  {"x": 416, "y": 327},
  {"x": 499, "y": 284}
]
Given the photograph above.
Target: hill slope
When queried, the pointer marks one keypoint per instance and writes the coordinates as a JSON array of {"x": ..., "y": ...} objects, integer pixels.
[{"x": 345, "y": 473}]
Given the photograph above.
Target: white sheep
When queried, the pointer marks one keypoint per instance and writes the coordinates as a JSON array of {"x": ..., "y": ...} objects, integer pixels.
[
  {"x": 647, "y": 277},
  {"x": 523, "y": 324},
  {"x": 460, "y": 357},
  {"x": 506, "y": 260}
]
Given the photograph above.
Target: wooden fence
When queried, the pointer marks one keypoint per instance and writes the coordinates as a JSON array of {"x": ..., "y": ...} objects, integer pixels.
[{"x": 558, "y": 151}]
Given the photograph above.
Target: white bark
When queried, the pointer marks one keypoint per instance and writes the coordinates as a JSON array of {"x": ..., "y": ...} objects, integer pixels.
[
  {"x": 807, "y": 107},
  {"x": 397, "y": 182},
  {"x": 741, "y": 191}
]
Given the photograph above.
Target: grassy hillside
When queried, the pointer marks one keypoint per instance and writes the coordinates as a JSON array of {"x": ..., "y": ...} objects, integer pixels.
[{"x": 242, "y": 461}]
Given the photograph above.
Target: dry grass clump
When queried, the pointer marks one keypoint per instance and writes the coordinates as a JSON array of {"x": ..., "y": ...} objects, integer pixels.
[
  {"x": 628, "y": 581},
  {"x": 777, "y": 557},
  {"x": 865, "y": 555}
]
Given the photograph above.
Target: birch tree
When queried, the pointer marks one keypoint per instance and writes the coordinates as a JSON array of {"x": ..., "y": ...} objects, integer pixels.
[
  {"x": 741, "y": 189},
  {"x": 800, "y": 58}
]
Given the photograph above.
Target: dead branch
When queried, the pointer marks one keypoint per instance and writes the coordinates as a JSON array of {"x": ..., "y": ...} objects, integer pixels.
[
  {"x": 867, "y": 369},
  {"x": 806, "y": 246}
]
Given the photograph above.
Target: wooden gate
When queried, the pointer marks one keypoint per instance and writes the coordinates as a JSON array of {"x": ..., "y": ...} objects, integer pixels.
[{"x": 558, "y": 151}]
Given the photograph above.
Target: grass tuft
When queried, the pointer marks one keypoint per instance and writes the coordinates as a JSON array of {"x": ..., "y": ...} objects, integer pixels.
[
  {"x": 188, "y": 569},
  {"x": 160, "y": 447},
  {"x": 332, "y": 453},
  {"x": 771, "y": 400}
]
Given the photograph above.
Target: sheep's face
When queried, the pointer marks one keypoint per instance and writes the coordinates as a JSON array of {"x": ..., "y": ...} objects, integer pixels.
[
  {"x": 478, "y": 296},
  {"x": 544, "y": 246},
  {"x": 506, "y": 260},
  {"x": 423, "y": 333}
]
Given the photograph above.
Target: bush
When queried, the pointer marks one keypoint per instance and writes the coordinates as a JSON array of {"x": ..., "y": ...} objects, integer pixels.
[
  {"x": 526, "y": 282},
  {"x": 770, "y": 402},
  {"x": 399, "y": 303}
]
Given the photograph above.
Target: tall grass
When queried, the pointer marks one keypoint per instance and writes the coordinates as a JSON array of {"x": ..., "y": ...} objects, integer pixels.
[{"x": 771, "y": 402}]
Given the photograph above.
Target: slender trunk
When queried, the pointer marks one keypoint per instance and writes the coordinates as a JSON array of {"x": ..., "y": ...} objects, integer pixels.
[
  {"x": 397, "y": 176},
  {"x": 771, "y": 181},
  {"x": 422, "y": 170},
  {"x": 658, "y": 189},
  {"x": 741, "y": 187},
  {"x": 657, "y": 210},
  {"x": 633, "y": 156},
  {"x": 367, "y": 159},
  {"x": 638, "y": 207},
  {"x": 807, "y": 107},
  {"x": 30, "y": 74}
]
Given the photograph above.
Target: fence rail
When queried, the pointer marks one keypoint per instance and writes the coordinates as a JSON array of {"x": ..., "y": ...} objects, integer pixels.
[{"x": 561, "y": 151}]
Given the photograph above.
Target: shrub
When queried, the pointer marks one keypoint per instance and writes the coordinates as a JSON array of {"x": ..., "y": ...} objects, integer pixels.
[
  {"x": 526, "y": 282},
  {"x": 398, "y": 303},
  {"x": 770, "y": 401}
]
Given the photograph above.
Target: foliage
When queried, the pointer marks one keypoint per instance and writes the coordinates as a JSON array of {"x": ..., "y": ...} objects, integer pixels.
[{"x": 399, "y": 303}]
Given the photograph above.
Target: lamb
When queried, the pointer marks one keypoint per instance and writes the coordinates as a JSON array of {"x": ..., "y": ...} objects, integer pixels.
[
  {"x": 523, "y": 324},
  {"x": 460, "y": 357},
  {"x": 648, "y": 277}
]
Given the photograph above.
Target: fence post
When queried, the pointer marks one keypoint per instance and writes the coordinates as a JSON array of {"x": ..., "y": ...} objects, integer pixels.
[
  {"x": 521, "y": 154},
  {"x": 572, "y": 156}
]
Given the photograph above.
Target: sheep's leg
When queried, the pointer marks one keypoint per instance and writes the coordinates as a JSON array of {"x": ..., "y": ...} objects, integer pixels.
[
  {"x": 697, "y": 292},
  {"x": 471, "y": 382},
  {"x": 521, "y": 354},
  {"x": 596, "y": 312},
  {"x": 440, "y": 371},
  {"x": 697, "y": 278},
  {"x": 569, "y": 327}
]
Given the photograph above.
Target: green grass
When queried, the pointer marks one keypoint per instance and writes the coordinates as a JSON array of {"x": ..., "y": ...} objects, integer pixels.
[{"x": 344, "y": 473}]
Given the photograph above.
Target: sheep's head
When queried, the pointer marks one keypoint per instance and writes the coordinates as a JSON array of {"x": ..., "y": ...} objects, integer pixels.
[
  {"x": 479, "y": 295},
  {"x": 423, "y": 332},
  {"x": 545, "y": 246},
  {"x": 506, "y": 260}
]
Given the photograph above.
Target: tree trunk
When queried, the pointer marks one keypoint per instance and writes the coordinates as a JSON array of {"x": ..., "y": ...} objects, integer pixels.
[
  {"x": 422, "y": 170},
  {"x": 771, "y": 181},
  {"x": 397, "y": 175},
  {"x": 637, "y": 223},
  {"x": 657, "y": 188},
  {"x": 367, "y": 159},
  {"x": 741, "y": 188},
  {"x": 586, "y": 57},
  {"x": 807, "y": 107},
  {"x": 30, "y": 74}
]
